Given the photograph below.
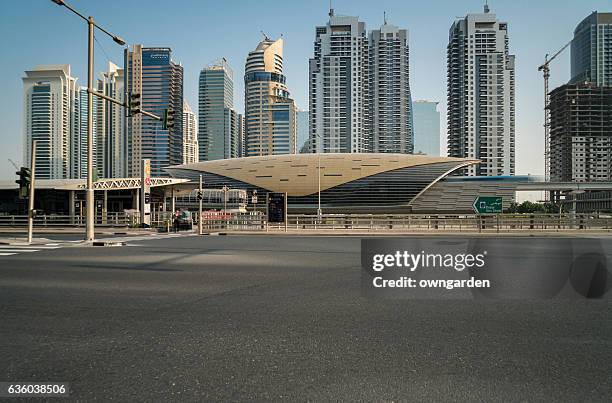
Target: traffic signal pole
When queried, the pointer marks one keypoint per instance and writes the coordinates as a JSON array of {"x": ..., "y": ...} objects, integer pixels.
[
  {"x": 31, "y": 198},
  {"x": 89, "y": 191}
]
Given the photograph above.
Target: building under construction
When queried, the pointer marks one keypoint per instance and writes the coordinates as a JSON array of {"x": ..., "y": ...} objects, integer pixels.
[{"x": 581, "y": 133}]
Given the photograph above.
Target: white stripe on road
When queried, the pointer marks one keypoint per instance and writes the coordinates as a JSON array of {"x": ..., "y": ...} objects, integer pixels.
[
  {"x": 7, "y": 254},
  {"x": 26, "y": 247},
  {"x": 18, "y": 250}
]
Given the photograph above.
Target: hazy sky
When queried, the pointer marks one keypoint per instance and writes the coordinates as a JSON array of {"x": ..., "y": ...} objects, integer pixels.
[{"x": 36, "y": 32}]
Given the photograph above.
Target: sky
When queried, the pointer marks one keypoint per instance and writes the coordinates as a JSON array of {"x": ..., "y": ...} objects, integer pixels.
[{"x": 34, "y": 32}]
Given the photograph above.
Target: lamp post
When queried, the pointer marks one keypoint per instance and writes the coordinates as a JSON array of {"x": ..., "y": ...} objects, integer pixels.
[
  {"x": 90, "y": 231},
  {"x": 319, "y": 212}
]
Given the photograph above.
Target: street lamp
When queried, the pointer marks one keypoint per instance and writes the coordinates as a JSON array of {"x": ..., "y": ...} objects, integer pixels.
[
  {"x": 90, "y": 232},
  {"x": 319, "y": 212}
]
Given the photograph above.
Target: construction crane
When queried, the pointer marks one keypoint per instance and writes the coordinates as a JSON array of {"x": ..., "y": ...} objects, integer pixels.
[
  {"x": 545, "y": 69},
  {"x": 13, "y": 162}
]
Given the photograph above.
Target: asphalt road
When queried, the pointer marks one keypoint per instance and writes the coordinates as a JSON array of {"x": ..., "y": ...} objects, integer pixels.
[{"x": 281, "y": 318}]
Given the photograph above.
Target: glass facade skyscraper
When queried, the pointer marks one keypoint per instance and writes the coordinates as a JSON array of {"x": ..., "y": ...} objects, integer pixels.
[
  {"x": 302, "y": 132},
  {"x": 591, "y": 50},
  {"x": 152, "y": 73},
  {"x": 270, "y": 120},
  {"x": 426, "y": 127},
  {"x": 218, "y": 128},
  {"x": 49, "y": 96}
]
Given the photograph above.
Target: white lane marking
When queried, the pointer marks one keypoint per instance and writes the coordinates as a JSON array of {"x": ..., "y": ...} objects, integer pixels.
[
  {"x": 52, "y": 244},
  {"x": 18, "y": 250},
  {"x": 28, "y": 247},
  {"x": 7, "y": 254}
]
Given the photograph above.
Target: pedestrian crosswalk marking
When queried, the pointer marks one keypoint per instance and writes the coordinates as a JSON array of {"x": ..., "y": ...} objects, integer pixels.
[{"x": 14, "y": 249}]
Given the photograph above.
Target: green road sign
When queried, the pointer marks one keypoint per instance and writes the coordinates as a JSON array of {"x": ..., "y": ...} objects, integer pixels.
[{"x": 487, "y": 205}]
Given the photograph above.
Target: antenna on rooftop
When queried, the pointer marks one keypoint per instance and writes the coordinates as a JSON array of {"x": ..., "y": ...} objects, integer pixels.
[
  {"x": 385, "y": 17},
  {"x": 265, "y": 36},
  {"x": 486, "y": 6},
  {"x": 331, "y": 10}
]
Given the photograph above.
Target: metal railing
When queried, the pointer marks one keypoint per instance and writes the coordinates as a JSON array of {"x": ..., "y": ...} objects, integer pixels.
[
  {"x": 57, "y": 220},
  {"x": 460, "y": 223},
  {"x": 256, "y": 221}
]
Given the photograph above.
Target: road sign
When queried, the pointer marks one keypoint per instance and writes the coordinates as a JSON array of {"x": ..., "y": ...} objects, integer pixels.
[
  {"x": 277, "y": 207},
  {"x": 488, "y": 205}
]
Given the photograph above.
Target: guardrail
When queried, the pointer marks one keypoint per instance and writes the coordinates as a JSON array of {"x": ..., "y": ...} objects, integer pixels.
[
  {"x": 56, "y": 220},
  {"x": 461, "y": 223},
  {"x": 256, "y": 221}
]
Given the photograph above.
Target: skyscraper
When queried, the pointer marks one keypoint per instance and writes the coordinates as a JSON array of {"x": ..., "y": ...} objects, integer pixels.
[
  {"x": 113, "y": 138},
  {"x": 218, "y": 136},
  {"x": 338, "y": 85},
  {"x": 49, "y": 97},
  {"x": 190, "y": 135},
  {"x": 426, "y": 127},
  {"x": 78, "y": 138},
  {"x": 270, "y": 120},
  {"x": 591, "y": 50},
  {"x": 302, "y": 144},
  {"x": 481, "y": 104},
  {"x": 389, "y": 94},
  {"x": 152, "y": 73}
]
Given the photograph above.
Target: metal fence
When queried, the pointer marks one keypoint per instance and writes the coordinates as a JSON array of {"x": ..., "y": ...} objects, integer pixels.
[
  {"x": 256, "y": 221},
  {"x": 461, "y": 223},
  {"x": 55, "y": 220},
  {"x": 407, "y": 222}
]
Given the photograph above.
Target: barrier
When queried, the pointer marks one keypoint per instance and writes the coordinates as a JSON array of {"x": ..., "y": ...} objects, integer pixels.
[{"x": 256, "y": 221}]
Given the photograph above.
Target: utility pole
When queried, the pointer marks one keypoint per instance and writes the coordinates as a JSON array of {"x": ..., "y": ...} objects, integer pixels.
[
  {"x": 200, "y": 197},
  {"x": 89, "y": 192},
  {"x": 31, "y": 199},
  {"x": 91, "y": 25}
]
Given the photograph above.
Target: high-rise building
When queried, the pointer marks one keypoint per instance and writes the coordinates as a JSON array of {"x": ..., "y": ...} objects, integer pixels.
[
  {"x": 338, "y": 87},
  {"x": 112, "y": 143},
  {"x": 241, "y": 136},
  {"x": 389, "y": 94},
  {"x": 426, "y": 127},
  {"x": 152, "y": 73},
  {"x": 190, "y": 135},
  {"x": 581, "y": 133},
  {"x": 481, "y": 104},
  {"x": 270, "y": 121},
  {"x": 78, "y": 139},
  {"x": 302, "y": 132},
  {"x": 591, "y": 50},
  {"x": 49, "y": 97},
  {"x": 218, "y": 136}
]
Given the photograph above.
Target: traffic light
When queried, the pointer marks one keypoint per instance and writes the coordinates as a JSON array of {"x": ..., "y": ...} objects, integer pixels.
[
  {"x": 133, "y": 105},
  {"x": 25, "y": 178},
  {"x": 168, "y": 119},
  {"x": 200, "y": 196}
]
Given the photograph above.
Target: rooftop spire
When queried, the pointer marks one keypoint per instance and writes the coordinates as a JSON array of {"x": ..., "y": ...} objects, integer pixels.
[
  {"x": 385, "y": 17},
  {"x": 331, "y": 10},
  {"x": 486, "y": 6}
]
